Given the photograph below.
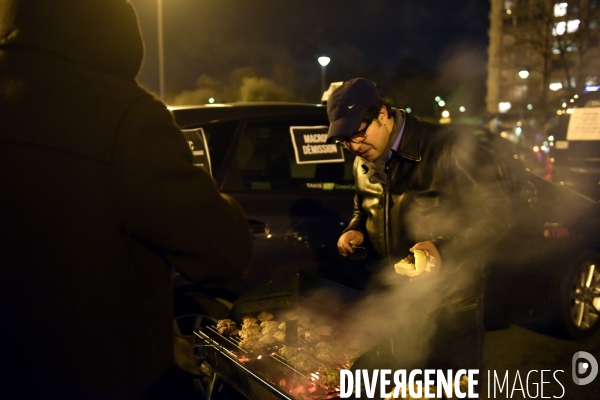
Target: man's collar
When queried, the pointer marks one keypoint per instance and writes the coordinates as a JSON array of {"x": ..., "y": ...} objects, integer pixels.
[{"x": 410, "y": 145}]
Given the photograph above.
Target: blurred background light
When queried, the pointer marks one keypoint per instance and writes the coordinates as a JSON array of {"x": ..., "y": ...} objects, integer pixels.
[{"x": 504, "y": 106}]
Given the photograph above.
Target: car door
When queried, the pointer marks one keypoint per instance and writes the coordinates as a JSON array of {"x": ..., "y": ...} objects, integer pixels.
[{"x": 305, "y": 206}]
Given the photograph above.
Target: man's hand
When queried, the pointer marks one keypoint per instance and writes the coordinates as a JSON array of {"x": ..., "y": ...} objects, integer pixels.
[
  {"x": 430, "y": 248},
  {"x": 348, "y": 240}
]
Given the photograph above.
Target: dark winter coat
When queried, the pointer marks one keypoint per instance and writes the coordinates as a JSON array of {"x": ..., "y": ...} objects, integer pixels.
[
  {"x": 441, "y": 186},
  {"x": 98, "y": 199}
]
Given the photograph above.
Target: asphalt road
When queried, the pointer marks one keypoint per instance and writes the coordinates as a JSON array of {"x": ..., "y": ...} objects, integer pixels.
[{"x": 516, "y": 349}]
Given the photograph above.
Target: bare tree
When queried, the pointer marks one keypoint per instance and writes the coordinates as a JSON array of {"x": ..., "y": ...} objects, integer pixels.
[{"x": 556, "y": 38}]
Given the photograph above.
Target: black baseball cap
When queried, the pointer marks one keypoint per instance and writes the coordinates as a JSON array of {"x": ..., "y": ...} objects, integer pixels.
[{"x": 347, "y": 104}]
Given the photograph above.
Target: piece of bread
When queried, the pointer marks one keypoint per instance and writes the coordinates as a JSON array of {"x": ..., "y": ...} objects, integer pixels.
[{"x": 413, "y": 265}]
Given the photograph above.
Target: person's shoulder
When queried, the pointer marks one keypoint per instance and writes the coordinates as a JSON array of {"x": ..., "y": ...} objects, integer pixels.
[{"x": 430, "y": 128}]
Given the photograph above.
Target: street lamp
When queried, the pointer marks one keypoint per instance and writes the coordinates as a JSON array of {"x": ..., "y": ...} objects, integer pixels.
[
  {"x": 161, "y": 55},
  {"x": 324, "y": 61}
]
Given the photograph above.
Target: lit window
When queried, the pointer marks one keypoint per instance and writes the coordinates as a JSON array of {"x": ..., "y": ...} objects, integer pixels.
[
  {"x": 504, "y": 106},
  {"x": 554, "y": 86},
  {"x": 555, "y": 48},
  {"x": 519, "y": 91},
  {"x": 591, "y": 80},
  {"x": 560, "y": 9},
  {"x": 572, "y": 25},
  {"x": 559, "y": 29}
]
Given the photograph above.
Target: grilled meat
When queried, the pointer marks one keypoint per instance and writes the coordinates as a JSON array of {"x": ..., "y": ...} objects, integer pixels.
[
  {"x": 264, "y": 316},
  {"x": 227, "y": 327}
]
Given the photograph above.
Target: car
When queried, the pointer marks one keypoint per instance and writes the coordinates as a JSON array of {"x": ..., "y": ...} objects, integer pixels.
[
  {"x": 544, "y": 274},
  {"x": 575, "y": 144}
]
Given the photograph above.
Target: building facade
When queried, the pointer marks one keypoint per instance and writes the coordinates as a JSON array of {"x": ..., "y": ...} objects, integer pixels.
[{"x": 541, "y": 53}]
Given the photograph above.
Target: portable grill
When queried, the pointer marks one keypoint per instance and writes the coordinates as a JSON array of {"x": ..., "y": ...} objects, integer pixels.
[{"x": 266, "y": 374}]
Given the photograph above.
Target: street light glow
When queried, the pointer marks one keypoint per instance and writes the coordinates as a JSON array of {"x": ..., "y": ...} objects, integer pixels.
[
  {"x": 523, "y": 74},
  {"x": 441, "y": 103},
  {"x": 324, "y": 61},
  {"x": 504, "y": 106},
  {"x": 437, "y": 98},
  {"x": 554, "y": 86},
  {"x": 445, "y": 113},
  {"x": 462, "y": 109}
]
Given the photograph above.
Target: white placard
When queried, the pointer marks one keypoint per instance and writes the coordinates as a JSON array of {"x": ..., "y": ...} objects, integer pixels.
[
  {"x": 584, "y": 124},
  {"x": 196, "y": 139}
]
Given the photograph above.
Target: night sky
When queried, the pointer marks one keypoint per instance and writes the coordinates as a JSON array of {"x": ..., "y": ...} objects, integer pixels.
[{"x": 214, "y": 37}]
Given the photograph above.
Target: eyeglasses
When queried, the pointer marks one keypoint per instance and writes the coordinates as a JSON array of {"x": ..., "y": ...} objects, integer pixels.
[{"x": 357, "y": 138}]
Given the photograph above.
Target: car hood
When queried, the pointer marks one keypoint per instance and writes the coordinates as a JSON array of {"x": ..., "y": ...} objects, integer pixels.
[{"x": 102, "y": 35}]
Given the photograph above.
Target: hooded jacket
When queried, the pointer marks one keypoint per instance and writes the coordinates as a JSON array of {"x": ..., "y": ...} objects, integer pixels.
[
  {"x": 442, "y": 187},
  {"x": 99, "y": 199}
]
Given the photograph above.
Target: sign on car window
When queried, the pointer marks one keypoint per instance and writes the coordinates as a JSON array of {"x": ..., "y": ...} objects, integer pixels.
[
  {"x": 584, "y": 124},
  {"x": 197, "y": 142},
  {"x": 311, "y": 148}
]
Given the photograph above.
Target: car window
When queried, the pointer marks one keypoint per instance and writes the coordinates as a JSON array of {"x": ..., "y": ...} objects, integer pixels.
[
  {"x": 265, "y": 160},
  {"x": 219, "y": 137}
]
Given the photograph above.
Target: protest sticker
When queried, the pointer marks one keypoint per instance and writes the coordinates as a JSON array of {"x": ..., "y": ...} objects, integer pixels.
[
  {"x": 584, "y": 124},
  {"x": 196, "y": 139},
  {"x": 311, "y": 147}
]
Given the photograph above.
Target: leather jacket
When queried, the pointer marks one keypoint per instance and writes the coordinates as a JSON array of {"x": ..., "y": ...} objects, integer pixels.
[{"x": 441, "y": 187}]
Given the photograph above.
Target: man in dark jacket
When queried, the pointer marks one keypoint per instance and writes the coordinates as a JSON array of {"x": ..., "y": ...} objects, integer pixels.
[
  {"x": 421, "y": 186},
  {"x": 99, "y": 199}
]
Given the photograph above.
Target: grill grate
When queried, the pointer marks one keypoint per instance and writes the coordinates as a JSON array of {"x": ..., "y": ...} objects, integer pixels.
[{"x": 229, "y": 345}]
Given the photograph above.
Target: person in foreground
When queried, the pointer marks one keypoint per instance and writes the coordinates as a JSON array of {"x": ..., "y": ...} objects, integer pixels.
[
  {"x": 99, "y": 200},
  {"x": 420, "y": 186}
]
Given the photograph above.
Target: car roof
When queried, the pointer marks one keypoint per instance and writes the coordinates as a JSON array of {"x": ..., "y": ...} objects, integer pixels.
[{"x": 187, "y": 115}]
